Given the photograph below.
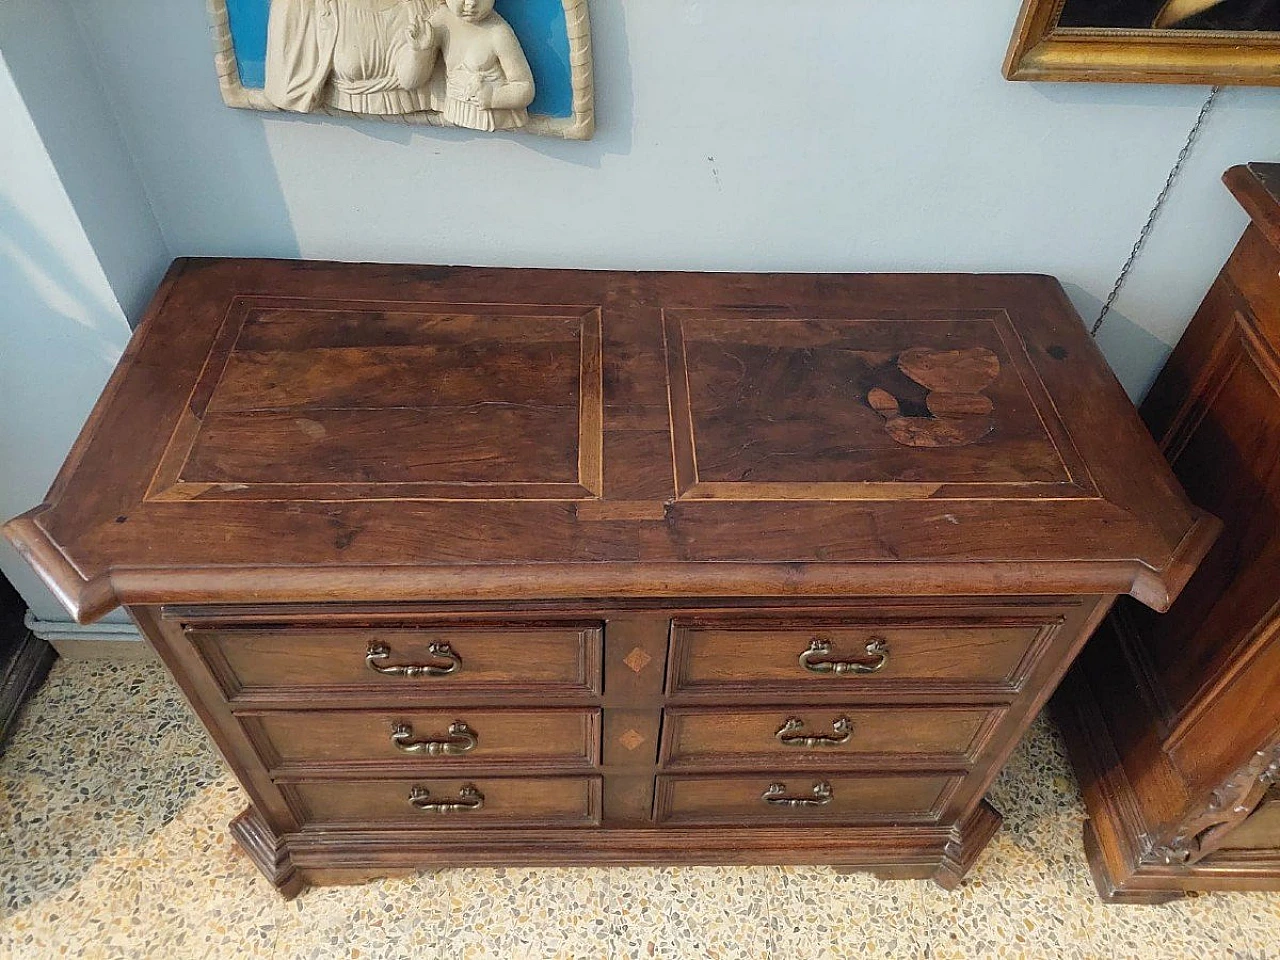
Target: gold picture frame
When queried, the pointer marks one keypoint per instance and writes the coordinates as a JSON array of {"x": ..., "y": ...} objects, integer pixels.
[{"x": 1043, "y": 48}]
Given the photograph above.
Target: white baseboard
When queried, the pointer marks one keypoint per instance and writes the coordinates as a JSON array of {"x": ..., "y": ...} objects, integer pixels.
[{"x": 92, "y": 641}]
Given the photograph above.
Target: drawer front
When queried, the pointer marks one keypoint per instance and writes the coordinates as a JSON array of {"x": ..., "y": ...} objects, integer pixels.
[
  {"x": 825, "y": 736},
  {"x": 841, "y": 658},
  {"x": 793, "y": 797},
  {"x": 448, "y": 803},
  {"x": 412, "y": 662},
  {"x": 457, "y": 740}
]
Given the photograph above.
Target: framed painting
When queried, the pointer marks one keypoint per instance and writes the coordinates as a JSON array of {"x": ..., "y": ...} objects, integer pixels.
[
  {"x": 1147, "y": 41},
  {"x": 481, "y": 64}
]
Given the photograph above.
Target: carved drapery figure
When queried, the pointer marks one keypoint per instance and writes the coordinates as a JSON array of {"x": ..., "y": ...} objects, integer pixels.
[
  {"x": 381, "y": 57},
  {"x": 363, "y": 56},
  {"x": 488, "y": 82}
]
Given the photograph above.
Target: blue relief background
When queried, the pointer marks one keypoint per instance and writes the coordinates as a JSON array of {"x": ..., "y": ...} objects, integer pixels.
[{"x": 539, "y": 24}]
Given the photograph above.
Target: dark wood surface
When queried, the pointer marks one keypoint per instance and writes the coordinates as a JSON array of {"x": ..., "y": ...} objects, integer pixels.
[
  {"x": 328, "y": 432},
  {"x": 1173, "y": 774},
  {"x": 523, "y": 802},
  {"x": 637, "y": 526},
  {"x": 341, "y": 742},
  {"x": 737, "y": 739}
]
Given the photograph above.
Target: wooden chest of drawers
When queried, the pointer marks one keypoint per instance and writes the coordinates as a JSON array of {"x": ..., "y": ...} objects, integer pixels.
[{"x": 483, "y": 567}]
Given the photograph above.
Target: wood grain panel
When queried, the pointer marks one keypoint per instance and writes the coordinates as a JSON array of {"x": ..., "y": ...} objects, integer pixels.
[
  {"x": 1232, "y": 429},
  {"x": 781, "y": 408},
  {"x": 316, "y": 663},
  {"x": 881, "y": 737},
  {"x": 318, "y": 325},
  {"x": 419, "y": 377},
  {"x": 355, "y": 740},
  {"x": 508, "y": 802},
  {"x": 738, "y": 799},
  {"x": 484, "y": 444},
  {"x": 432, "y": 403},
  {"x": 922, "y": 653}
]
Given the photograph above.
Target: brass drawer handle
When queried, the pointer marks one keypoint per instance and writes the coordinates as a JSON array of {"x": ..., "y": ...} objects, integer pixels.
[
  {"x": 379, "y": 652},
  {"x": 461, "y": 739},
  {"x": 777, "y": 795},
  {"x": 791, "y": 734},
  {"x": 469, "y": 798},
  {"x": 817, "y": 659}
]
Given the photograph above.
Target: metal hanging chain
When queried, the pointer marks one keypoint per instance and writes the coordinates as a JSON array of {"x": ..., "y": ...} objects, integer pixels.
[{"x": 1155, "y": 210}]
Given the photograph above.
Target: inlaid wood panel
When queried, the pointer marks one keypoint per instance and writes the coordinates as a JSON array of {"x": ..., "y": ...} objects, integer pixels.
[
  {"x": 346, "y": 742},
  {"x": 482, "y": 802},
  {"x": 879, "y": 737},
  {"x": 473, "y": 659},
  {"x": 848, "y": 799},
  {"x": 781, "y": 408},
  {"x": 365, "y": 399},
  {"x": 348, "y": 433}
]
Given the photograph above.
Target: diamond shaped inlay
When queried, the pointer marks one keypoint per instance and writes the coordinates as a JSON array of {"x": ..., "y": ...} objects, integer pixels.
[
  {"x": 637, "y": 659},
  {"x": 631, "y": 739}
]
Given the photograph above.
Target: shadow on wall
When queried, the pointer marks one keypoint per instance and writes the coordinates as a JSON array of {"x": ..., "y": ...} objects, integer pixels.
[
  {"x": 39, "y": 281},
  {"x": 173, "y": 119},
  {"x": 1135, "y": 354},
  {"x": 58, "y": 344}
]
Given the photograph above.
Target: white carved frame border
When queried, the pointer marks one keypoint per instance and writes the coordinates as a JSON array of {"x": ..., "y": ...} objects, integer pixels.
[{"x": 580, "y": 126}]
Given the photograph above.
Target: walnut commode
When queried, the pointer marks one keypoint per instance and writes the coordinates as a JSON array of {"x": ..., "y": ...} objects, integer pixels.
[{"x": 465, "y": 566}]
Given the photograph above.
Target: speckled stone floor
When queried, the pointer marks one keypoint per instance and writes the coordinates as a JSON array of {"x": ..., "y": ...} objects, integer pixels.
[{"x": 113, "y": 843}]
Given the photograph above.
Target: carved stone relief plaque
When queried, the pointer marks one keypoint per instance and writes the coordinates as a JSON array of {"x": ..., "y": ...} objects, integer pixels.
[{"x": 442, "y": 62}]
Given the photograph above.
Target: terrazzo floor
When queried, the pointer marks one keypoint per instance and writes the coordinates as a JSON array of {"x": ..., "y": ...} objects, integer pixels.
[{"x": 113, "y": 843}]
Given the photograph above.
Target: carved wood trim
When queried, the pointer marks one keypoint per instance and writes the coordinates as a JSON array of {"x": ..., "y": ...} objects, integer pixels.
[{"x": 1229, "y": 804}]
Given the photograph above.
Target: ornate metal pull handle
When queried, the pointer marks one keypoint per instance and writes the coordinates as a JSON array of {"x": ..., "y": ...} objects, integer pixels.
[
  {"x": 461, "y": 739},
  {"x": 379, "y": 652},
  {"x": 469, "y": 798},
  {"x": 777, "y": 795},
  {"x": 818, "y": 659},
  {"x": 791, "y": 734}
]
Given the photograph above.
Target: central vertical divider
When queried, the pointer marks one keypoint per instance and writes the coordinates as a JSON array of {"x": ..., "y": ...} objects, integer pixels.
[{"x": 635, "y": 659}]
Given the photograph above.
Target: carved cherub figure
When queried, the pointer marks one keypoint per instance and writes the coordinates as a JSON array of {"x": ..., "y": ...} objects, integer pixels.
[
  {"x": 488, "y": 84},
  {"x": 956, "y": 411}
]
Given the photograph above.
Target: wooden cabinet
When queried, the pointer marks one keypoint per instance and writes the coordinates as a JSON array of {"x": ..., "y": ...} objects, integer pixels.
[
  {"x": 467, "y": 566},
  {"x": 1173, "y": 721}
]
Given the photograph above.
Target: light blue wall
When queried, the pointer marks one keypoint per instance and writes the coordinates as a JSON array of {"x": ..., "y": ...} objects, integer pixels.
[
  {"x": 53, "y": 67},
  {"x": 61, "y": 326},
  {"x": 733, "y": 134}
]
